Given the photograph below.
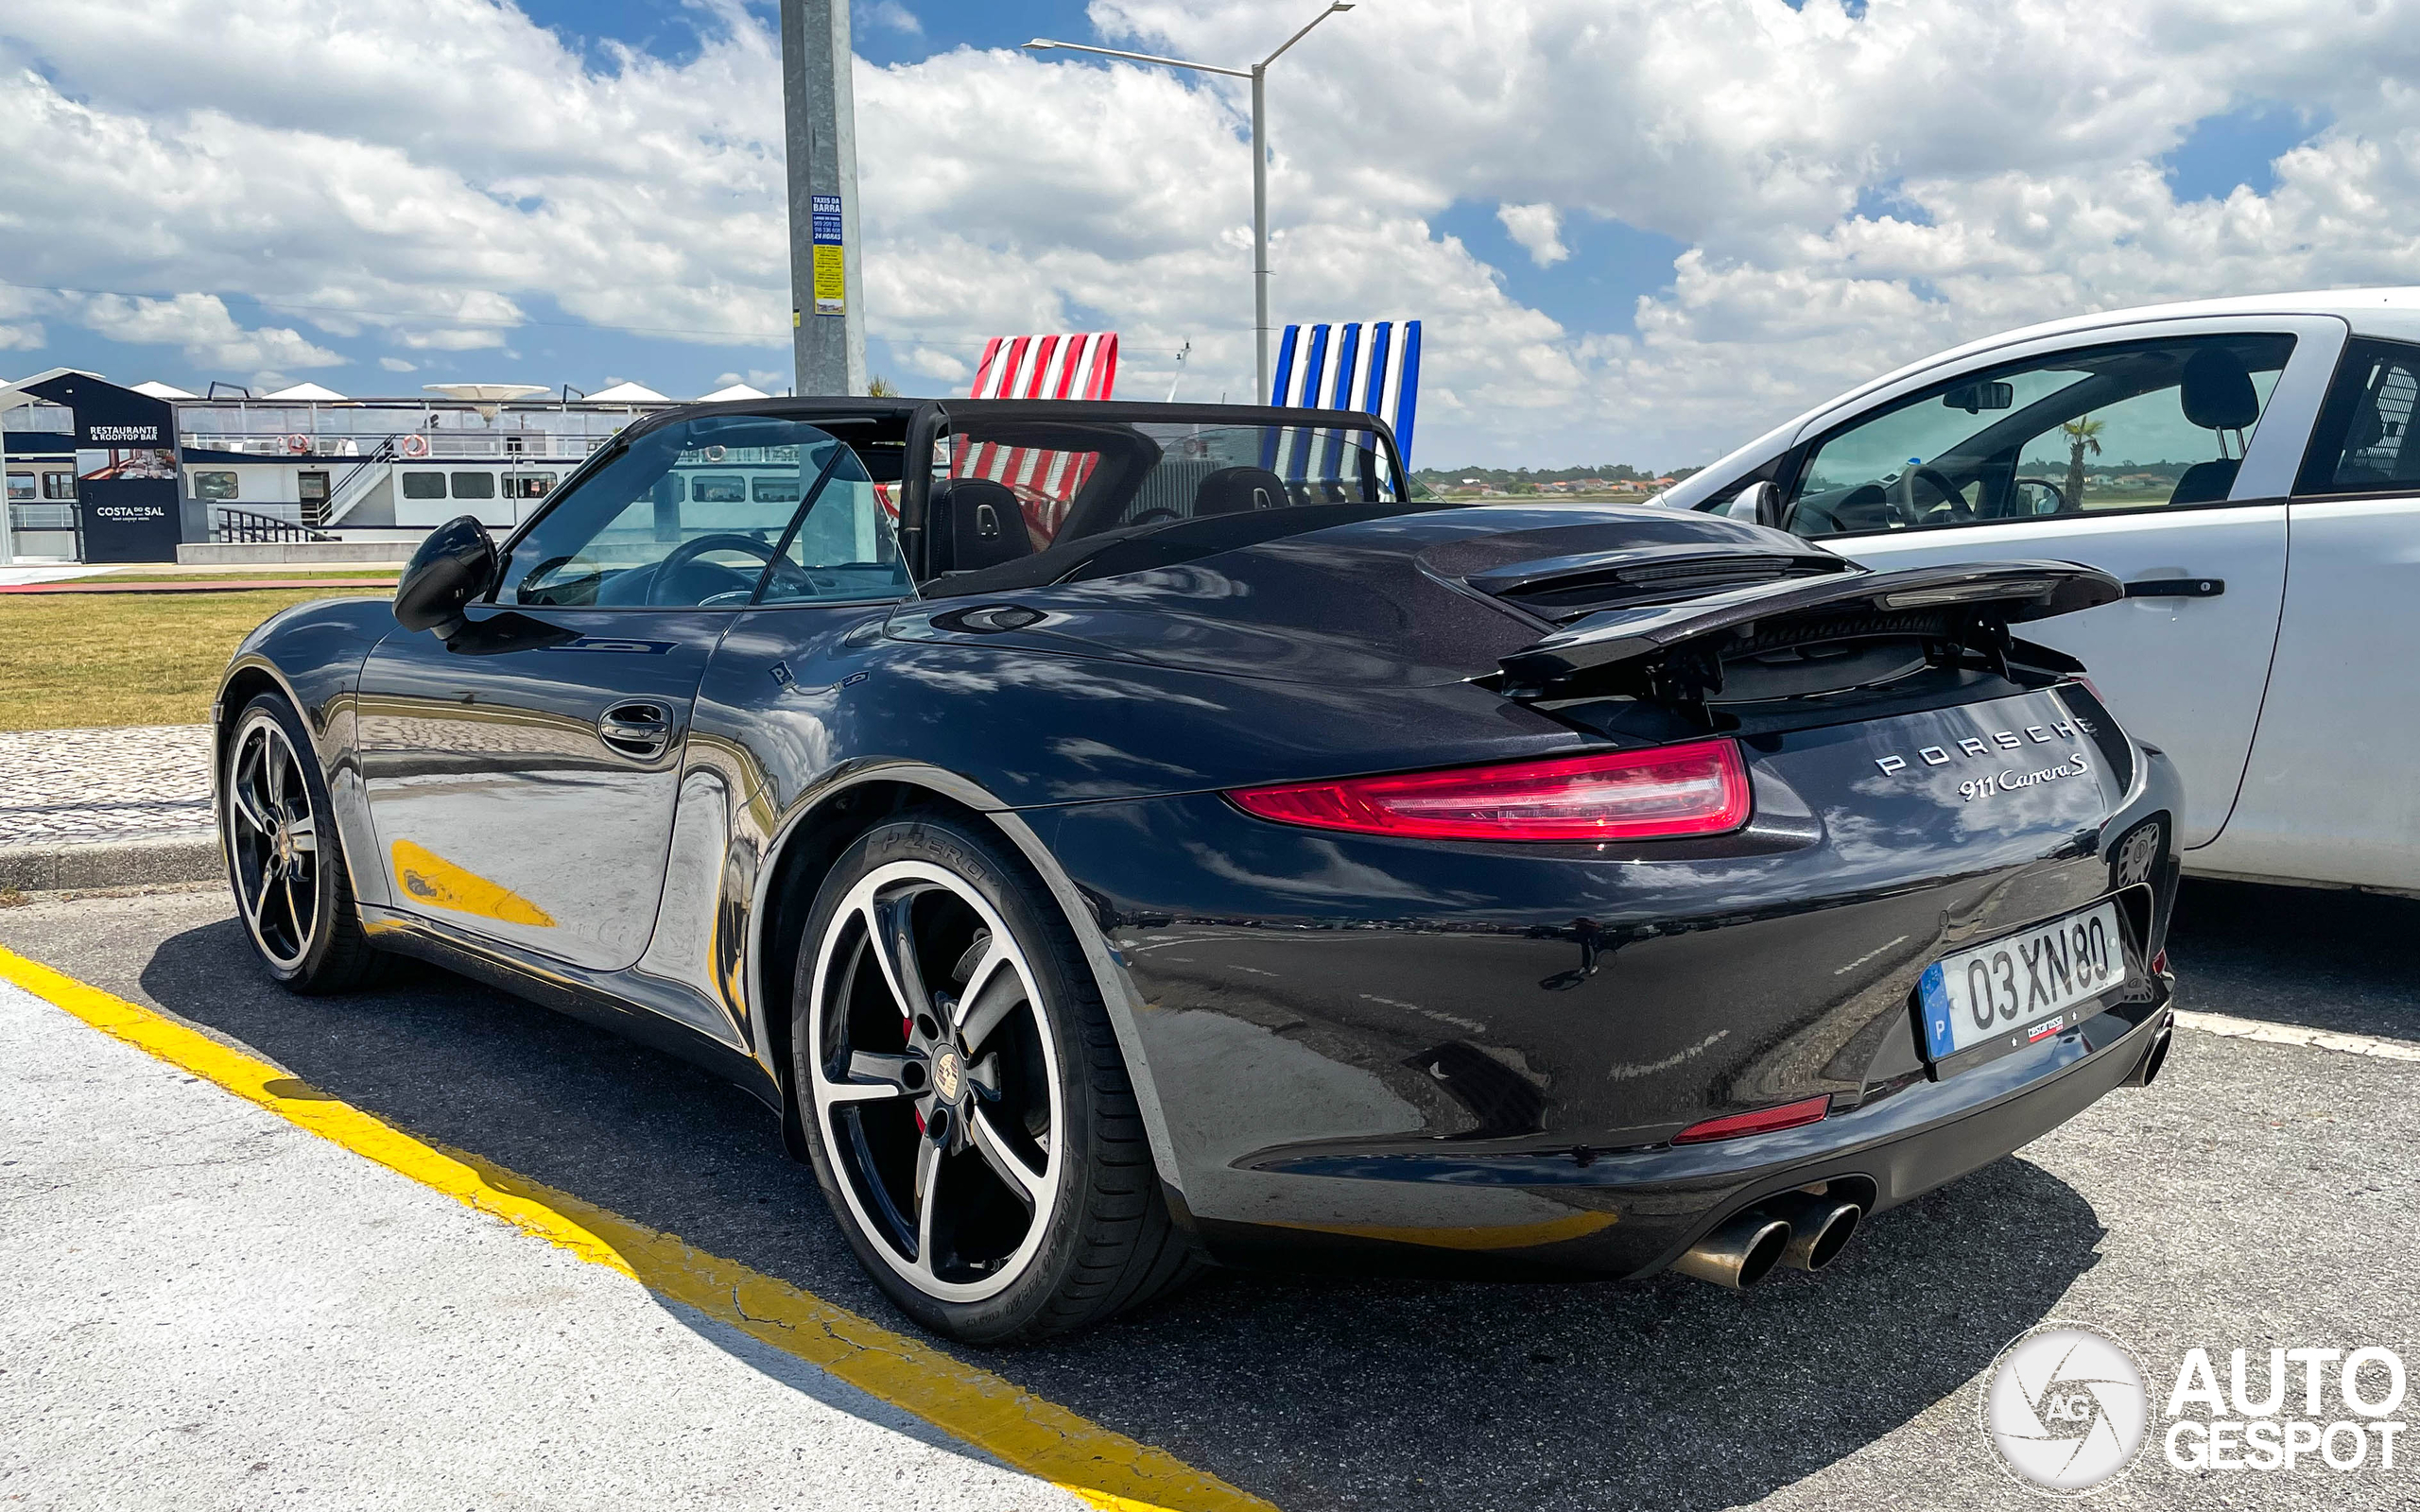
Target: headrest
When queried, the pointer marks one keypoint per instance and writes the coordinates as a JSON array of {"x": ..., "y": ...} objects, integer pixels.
[
  {"x": 980, "y": 521},
  {"x": 2217, "y": 392},
  {"x": 1234, "y": 490}
]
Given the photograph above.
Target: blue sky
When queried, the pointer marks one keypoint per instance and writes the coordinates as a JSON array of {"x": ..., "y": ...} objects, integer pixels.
[
  {"x": 1842, "y": 193},
  {"x": 903, "y": 31},
  {"x": 1594, "y": 289}
]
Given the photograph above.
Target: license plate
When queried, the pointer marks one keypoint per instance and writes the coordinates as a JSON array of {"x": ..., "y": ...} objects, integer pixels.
[{"x": 2022, "y": 988}]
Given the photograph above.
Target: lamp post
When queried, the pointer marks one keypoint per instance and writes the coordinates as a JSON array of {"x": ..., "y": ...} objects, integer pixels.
[{"x": 1257, "y": 73}]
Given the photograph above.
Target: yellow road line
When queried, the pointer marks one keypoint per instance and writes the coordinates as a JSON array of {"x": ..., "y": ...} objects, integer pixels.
[{"x": 1102, "y": 1467}]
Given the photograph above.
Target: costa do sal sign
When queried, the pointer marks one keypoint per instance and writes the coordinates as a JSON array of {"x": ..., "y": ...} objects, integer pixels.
[{"x": 127, "y": 497}]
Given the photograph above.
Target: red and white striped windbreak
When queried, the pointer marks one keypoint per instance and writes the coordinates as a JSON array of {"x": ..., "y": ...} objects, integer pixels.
[{"x": 1079, "y": 366}]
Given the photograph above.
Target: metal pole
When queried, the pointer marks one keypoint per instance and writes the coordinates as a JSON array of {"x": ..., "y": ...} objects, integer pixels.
[
  {"x": 8, "y": 505},
  {"x": 827, "y": 303},
  {"x": 1260, "y": 231}
]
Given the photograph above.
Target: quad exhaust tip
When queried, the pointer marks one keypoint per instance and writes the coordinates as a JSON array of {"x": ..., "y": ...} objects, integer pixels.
[
  {"x": 1820, "y": 1229},
  {"x": 1799, "y": 1231},
  {"x": 2148, "y": 1069},
  {"x": 1737, "y": 1255}
]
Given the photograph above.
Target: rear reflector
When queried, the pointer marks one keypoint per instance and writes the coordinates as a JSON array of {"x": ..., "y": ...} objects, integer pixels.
[
  {"x": 1701, "y": 788},
  {"x": 1763, "y": 1121}
]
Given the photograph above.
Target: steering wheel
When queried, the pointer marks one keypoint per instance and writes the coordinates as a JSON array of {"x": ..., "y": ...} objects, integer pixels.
[
  {"x": 1156, "y": 517},
  {"x": 689, "y": 551},
  {"x": 1903, "y": 494}
]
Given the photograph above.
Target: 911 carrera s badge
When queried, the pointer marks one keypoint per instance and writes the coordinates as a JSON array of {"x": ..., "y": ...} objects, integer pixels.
[
  {"x": 949, "y": 1077},
  {"x": 2002, "y": 782}
]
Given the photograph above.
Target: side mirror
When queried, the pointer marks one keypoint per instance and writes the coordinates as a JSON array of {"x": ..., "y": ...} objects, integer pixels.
[
  {"x": 1976, "y": 397},
  {"x": 2038, "y": 496},
  {"x": 455, "y": 566},
  {"x": 1757, "y": 502}
]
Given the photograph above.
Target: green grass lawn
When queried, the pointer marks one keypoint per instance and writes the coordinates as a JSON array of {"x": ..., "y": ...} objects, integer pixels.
[
  {"x": 367, "y": 571},
  {"x": 79, "y": 659}
]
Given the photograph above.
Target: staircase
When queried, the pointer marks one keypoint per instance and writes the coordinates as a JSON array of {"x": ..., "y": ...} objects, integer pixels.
[{"x": 354, "y": 487}]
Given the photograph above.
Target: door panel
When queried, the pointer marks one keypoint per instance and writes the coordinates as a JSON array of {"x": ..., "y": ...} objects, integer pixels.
[
  {"x": 523, "y": 789},
  {"x": 2161, "y": 453},
  {"x": 2186, "y": 674},
  {"x": 2325, "y": 795}
]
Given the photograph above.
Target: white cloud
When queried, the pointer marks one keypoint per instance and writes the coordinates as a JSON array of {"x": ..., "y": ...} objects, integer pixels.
[
  {"x": 201, "y": 323},
  {"x": 398, "y": 365},
  {"x": 1537, "y": 229},
  {"x": 897, "y": 17},
  {"x": 434, "y": 178}
]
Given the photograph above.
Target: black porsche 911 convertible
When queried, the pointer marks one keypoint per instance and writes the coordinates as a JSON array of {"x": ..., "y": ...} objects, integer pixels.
[{"x": 1116, "y": 838}]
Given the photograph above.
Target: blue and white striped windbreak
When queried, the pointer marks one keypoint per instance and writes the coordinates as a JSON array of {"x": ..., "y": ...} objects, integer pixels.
[{"x": 1373, "y": 367}]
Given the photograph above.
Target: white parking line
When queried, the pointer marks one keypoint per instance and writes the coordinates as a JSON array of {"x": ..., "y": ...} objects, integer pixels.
[{"x": 2282, "y": 1034}]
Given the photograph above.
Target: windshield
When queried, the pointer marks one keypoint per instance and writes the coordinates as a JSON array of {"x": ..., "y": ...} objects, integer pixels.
[
  {"x": 715, "y": 512},
  {"x": 1030, "y": 502}
]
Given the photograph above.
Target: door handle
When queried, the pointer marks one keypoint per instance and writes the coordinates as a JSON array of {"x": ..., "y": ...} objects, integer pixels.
[
  {"x": 2177, "y": 588},
  {"x": 636, "y": 729}
]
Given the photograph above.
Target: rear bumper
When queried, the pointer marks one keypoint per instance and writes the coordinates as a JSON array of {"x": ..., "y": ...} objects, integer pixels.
[
  {"x": 1473, "y": 1061},
  {"x": 1631, "y": 1213}
]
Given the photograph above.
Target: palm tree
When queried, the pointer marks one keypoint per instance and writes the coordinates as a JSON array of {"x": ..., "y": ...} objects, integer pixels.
[{"x": 2083, "y": 435}]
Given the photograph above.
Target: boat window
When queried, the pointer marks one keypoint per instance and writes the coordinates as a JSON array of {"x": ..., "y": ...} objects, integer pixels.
[
  {"x": 215, "y": 485},
  {"x": 423, "y": 484},
  {"x": 474, "y": 484}
]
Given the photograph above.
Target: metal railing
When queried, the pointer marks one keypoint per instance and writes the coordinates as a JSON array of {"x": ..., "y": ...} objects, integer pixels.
[
  {"x": 245, "y": 527},
  {"x": 430, "y": 446},
  {"x": 41, "y": 516}
]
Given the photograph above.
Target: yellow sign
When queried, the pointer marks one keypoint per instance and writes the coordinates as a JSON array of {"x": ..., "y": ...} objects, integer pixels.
[{"x": 831, "y": 282}]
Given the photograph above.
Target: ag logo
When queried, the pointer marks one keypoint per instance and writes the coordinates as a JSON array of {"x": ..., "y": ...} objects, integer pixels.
[{"x": 2066, "y": 1408}]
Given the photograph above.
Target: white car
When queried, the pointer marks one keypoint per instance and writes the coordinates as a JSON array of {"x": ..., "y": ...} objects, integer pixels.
[{"x": 2246, "y": 468}]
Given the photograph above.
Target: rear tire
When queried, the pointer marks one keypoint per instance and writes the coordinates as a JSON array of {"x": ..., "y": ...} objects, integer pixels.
[
  {"x": 285, "y": 861},
  {"x": 966, "y": 1107}
]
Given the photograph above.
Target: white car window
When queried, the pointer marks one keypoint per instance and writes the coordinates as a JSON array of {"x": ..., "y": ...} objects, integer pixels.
[
  {"x": 2134, "y": 426},
  {"x": 2362, "y": 443}
]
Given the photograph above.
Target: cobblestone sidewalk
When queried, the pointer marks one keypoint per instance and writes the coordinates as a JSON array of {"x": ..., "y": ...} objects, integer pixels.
[{"x": 76, "y": 785}]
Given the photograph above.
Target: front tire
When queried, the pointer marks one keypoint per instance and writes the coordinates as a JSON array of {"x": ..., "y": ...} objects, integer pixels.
[
  {"x": 285, "y": 859},
  {"x": 967, "y": 1110}
]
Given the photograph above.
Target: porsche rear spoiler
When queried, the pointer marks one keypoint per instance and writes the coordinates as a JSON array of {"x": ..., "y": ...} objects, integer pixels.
[{"x": 1674, "y": 652}]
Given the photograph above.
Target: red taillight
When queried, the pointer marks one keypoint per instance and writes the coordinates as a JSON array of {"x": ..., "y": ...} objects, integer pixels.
[
  {"x": 1700, "y": 788},
  {"x": 2159, "y": 964},
  {"x": 1763, "y": 1121}
]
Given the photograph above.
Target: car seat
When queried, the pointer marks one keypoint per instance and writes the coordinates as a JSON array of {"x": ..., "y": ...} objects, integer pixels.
[
  {"x": 2217, "y": 395},
  {"x": 1234, "y": 490},
  {"x": 975, "y": 522}
]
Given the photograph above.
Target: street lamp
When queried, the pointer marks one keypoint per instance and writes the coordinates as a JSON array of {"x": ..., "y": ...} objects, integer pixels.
[{"x": 1257, "y": 74}]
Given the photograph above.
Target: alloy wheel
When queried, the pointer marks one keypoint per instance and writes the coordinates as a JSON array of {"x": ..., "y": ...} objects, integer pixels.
[
  {"x": 274, "y": 843},
  {"x": 936, "y": 1082}
]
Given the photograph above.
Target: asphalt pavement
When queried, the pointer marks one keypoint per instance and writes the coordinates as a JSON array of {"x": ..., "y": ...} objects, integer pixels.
[{"x": 405, "y": 1351}]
